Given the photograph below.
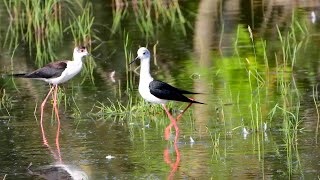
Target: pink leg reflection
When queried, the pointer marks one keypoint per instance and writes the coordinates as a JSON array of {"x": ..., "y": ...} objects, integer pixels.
[
  {"x": 57, "y": 156},
  {"x": 166, "y": 156},
  {"x": 57, "y": 143}
]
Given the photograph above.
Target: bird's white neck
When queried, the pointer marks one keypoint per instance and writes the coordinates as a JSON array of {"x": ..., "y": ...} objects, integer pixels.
[
  {"x": 145, "y": 76},
  {"x": 77, "y": 57}
]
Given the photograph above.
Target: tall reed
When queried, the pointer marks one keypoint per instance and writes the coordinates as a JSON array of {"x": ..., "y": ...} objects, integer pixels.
[
  {"x": 81, "y": 29},
  {"x": 38, "y": 23}
]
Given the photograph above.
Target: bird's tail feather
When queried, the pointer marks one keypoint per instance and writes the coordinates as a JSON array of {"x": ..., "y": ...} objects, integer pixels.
[
  {"x": 197, "y": 102},
  {"x": 21, "y": 75},
  {"x": 187, "y": 92}
]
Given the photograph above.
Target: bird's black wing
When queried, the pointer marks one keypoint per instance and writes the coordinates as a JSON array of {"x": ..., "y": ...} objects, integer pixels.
[
  {"x": 181, "y": 91},
  {"x": 51, "y": 70},
  {"x": 163, "y": 90}
]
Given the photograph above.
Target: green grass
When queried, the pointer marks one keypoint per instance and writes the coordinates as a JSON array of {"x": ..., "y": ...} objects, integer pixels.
[
  {"x": 38, "y": 24},
  {"x": 41, "y": 26},
  {"x": 259, "y": 74},
  {"x": 130, "y": 110},
  {"x": 264, "y": 96},
  {"x": 81, "y": 30},
  {"x": 119, "y": 14}
]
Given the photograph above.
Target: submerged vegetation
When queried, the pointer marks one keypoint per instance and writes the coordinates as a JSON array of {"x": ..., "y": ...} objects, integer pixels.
[
  {"x": 5, "y": 102},
  {"x": 264, "y": 75}
]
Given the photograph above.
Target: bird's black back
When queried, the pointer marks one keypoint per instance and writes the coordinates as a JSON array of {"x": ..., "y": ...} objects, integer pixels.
[
  {"x": 165, "y": 91},
  {"x": 51, "y": 70}
]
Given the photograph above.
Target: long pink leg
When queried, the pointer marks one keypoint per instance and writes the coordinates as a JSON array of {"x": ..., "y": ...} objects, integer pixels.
[
  {"x": 55, "y": 103},
  {"x": 58, "y": 118},
  {"x": 168, "y": 128},
  {"x": 173, "y": 122},
  {"x": 41, "y": 116},
  {"x": 180, "y": 115}
]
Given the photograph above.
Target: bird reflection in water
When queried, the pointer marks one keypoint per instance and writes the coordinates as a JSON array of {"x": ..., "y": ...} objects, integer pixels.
[{"x": 59, "y": 170}]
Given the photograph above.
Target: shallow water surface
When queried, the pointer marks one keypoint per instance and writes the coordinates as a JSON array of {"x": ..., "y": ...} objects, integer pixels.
[{"x": 260, "y": 86}]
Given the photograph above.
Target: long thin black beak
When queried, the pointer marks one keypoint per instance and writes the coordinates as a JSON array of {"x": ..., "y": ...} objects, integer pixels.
[{"x": 134, "y": 60}]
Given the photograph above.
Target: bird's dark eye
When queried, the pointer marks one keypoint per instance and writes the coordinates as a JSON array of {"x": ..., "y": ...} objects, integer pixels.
[
  {"x": 144, "y": 53},
  {"x": 81, "y": 50}
]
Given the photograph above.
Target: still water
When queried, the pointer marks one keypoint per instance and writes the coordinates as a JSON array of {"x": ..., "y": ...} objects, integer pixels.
[{"x": 261, "y": 115}]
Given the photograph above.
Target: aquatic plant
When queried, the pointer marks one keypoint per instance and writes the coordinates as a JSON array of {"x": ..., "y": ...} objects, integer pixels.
[
  {"x": 150, "y": 16},
  {"x": 315, "y": 96},
  {"x": 163, "y": 13},
  {"x": 119, "y": 12},
  {"x": 128, "y": 110},
  {"x": 41, "y": 26},
  {"x": 128, "y": 58},
  {"x": 81, "y": 26},
  {"x": 5, "y": 101},
  {"x": 259, "y": 77},
  {"x": 290, "y": 97}
]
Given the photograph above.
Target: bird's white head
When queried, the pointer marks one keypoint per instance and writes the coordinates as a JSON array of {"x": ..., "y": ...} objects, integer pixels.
[
  {"x": 143, "y": 54},
  {"x": 80, "y": 52}
]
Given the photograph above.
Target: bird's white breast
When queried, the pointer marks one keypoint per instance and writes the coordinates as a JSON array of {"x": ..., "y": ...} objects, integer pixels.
[
  {"x": 144, "y": 91},
  {"x": 73, "y": 68},
  {"x": 145, "y": 79}
]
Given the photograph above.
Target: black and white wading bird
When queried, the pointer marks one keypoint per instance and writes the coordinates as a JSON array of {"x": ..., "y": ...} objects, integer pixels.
[
  {"x": 56, "y": 73},
  {"x": 159, "y": 92}
]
